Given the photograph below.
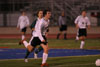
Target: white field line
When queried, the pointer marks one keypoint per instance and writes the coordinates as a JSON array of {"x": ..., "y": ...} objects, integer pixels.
[{"x": 51, "y": 57}]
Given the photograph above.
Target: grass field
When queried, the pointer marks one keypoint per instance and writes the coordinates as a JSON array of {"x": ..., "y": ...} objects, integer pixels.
[{"x": 72, "y": 61}]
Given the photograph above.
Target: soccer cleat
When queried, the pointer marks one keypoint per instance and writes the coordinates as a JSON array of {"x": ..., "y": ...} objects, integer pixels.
[
  {"x": 35, "y": 56},
  {"x": 26, "y": 60},
  {"x": 20, "y": 43},
  {"x": 45, "y": 65},
  {"x": 76, "y": 40}
]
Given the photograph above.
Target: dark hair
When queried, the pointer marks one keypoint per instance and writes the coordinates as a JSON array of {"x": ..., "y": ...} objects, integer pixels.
[
  {"x": 38, "y": 12},
  {"x": 45, "y": 12},
  {"x": 83, "y": 11},
  {"x": 23, "y": 11}
]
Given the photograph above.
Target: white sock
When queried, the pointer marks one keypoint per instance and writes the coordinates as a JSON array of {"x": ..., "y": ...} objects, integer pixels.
[
  {"x": 82, "y": 44},
  {"x": 25, "y": 43},
  {"x": 77, "y": 38},
  {"x": 23, "y": 37},
  {"x": 44, "y": 58}
]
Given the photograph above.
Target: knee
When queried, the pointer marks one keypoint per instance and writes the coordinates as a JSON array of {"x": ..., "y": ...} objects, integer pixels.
[
  {"x": 46, "y": 50},
  {"x": 82, "y": 38}
]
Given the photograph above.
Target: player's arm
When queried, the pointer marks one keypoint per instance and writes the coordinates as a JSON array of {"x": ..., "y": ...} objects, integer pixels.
[
  {"x": 76, "y": 22},
  {"x": 77, "y": 27},
  {"x": 47, "y": 32},
  {"x": 59, "y": 21},
  {"x": 27, "y": 19},
  {"x": 18, "y": 25}
]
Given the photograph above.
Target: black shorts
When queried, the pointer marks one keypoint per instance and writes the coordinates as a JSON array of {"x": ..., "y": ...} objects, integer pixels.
[
  {"x": 23, "y": 29},
  {"x": 63, "y": 28},
  {"x": 82, "y": 32},
  {"x": 36, "y": 41}
]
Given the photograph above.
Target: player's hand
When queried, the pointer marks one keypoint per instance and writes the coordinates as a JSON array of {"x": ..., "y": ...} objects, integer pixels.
[
  {"x": 77, "y": 26},
  {"x": 46, "y": 34},
  {"x": 43, "y": 40},
  {"x": 33, "y": 29},
  {"x": 89, "y": 27},
  {"x": 27, "y": 26}
]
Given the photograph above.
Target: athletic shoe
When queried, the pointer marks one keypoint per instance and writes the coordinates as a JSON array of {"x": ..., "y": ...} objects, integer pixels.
[
  {"x": 26, "y": 60},
  {"x": 20, "y": 43},
  {"x": 76, "y": 40},
  {"x": 45, "y": 65},
  {"x": 35, "y": 56}
]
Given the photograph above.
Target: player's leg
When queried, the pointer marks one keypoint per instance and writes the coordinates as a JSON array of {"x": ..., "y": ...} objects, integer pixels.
[
  {"x": 65, "y": 35},
  {"x": 37, "y": 51},
  {"x": 45, "y": 55},
  {"x": 58, "y": 35},
  {"x": 77, "y": 38},
  {"x": 22, "y": 37},
  {"x": 28, "y": 46},
  {"x": 82, "y": 38},
  {"x": 26, "y": 56},
  {"x": 23, "y": 31},
  {"x": 65, "y": 31}
]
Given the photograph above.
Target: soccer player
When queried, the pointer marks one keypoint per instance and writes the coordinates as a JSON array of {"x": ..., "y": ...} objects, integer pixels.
[
  {"x": 39, "y": 38},
  {"x": 23, "y": 23},
  {"x": 62, "y": 25},
  {"x": 39, "y": 18},
  {"x": 82, "y": 23}
]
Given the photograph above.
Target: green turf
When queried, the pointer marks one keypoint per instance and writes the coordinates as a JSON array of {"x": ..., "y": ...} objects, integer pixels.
[
  {"x": 82, "y": 61},
  {"x": 53, "y": 43}
]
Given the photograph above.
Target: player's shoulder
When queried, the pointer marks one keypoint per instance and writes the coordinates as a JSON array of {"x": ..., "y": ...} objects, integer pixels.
[
  {"x": 60, "y": 17},
  {"x": 45, "y": 20},
  {"x": 26, "y": 16},
  {"x": 42, "y": 19},
  {"x": 21, "y": 16},
  {"x": 79, "y": 16}
]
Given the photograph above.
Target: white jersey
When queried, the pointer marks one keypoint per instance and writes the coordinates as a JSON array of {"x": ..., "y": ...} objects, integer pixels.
[
  {"x": 40, "y": 28},
  {"x": 23, "y": 21},
  {"x": 82, "y": 21}
]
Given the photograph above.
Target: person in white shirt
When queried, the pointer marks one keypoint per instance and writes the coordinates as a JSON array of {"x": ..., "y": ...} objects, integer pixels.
[
  {"x": 39, "y": 38},
  {"x": 37, "y": 50},
  {"x": 82, "y": 23},
  {"x": 62, "y": 25},
  {"x": 23, "y": 23}
]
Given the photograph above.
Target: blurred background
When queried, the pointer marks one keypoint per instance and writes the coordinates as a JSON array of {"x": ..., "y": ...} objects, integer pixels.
[{"x": 10, "y": 11}]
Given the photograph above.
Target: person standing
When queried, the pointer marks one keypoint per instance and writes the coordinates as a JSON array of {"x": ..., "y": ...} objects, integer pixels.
[{"x": 62, "y": 25}]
